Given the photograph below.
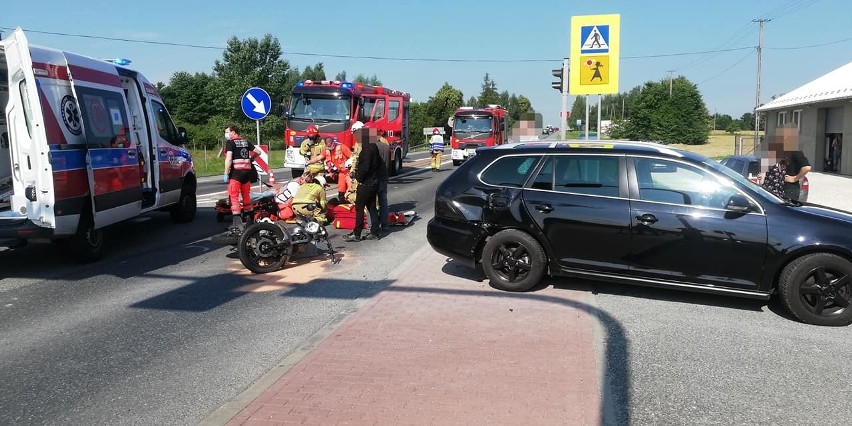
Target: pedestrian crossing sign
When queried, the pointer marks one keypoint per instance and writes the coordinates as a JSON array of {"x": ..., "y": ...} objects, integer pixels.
[
  {"x": 594, "y": 39},
  {"x": 595, "y": 45}
]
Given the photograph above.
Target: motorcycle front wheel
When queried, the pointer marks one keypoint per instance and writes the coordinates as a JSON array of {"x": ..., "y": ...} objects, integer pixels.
[{"x": 264, "y": 247}]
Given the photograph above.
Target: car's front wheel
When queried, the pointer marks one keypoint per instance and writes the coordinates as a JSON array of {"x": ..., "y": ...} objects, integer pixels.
[
  {"x": 513, "y": 260},
  {"x": 817, "y": 289}
]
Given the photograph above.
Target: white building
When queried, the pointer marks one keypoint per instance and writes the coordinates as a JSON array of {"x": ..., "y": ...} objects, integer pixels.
[{"x": 821, "y": 111}]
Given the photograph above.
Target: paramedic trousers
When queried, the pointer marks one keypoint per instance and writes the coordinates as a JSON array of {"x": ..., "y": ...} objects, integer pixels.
[
  {"x": 366, "y": 197},
  {"x": 236, "y": 189},
  {"x": 436, "y": 160}
]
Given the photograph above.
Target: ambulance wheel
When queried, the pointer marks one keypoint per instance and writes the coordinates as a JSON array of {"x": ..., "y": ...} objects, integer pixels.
[
  {"x": 87, "y": 244},
  {"x": 184, "y": 210},
  {"x": 264, "y": 248},
  {"x": 297, "y": 172}
]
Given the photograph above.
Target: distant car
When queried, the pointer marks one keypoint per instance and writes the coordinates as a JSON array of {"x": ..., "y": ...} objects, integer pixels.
[
  {"x": 642, "y": 214},
  {"x": 750, "y": 165}
]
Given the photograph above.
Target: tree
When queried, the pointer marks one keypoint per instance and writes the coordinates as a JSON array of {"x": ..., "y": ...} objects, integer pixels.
[
  {"x": 250, "y": 63},
  {"x": 578, "y": 109},
  {"x": 733, "y": 126},
  {"x": 722, "y": 121},
  {"x": 489, "y": 93},
  {"x": 657, "y": 116},
  {"x": 418, "y": 119},
  {"x": 315, "y": 73},
  {"x": 471, "y": 102},
  {"x": 341, "y": 76},
  {"x": 443, "y": 104},
  {"x": 190, "y": 96},
  {"x": 372, "y": 80}
]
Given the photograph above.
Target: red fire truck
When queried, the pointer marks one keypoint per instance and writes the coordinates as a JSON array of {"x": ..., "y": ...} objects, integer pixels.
[
  {"x": 333, "y": 106},
  {"x": 476, "y": 127}
]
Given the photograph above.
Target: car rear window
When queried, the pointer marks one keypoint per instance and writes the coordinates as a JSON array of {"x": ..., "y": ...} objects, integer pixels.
[{"x": 510, "y": 171}]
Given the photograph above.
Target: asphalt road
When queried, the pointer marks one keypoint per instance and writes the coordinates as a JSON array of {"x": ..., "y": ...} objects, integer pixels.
[{"x": 167, "y": 328}]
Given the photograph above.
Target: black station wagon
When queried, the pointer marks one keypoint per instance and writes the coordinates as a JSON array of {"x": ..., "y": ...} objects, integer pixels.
[{"x": 641, "y": 213}]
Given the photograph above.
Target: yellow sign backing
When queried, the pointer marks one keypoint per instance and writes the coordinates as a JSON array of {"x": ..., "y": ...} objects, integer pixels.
[{"x": 595, "y": 44}]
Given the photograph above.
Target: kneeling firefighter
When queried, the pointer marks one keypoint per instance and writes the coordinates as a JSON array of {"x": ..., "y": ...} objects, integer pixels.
[{"x": 311, "y": 192}]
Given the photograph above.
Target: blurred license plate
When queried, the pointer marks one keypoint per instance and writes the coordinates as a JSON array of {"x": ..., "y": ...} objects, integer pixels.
[{"x": 471, "y": 152}]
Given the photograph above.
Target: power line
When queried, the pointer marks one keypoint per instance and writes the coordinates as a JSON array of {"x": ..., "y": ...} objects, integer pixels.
[
  {"x": 729, "y": 68},
  {"x": 412, "y": 59}
]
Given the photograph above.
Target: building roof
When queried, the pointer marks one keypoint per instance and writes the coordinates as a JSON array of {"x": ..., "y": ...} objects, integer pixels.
[{"x": 834, "y": 86}]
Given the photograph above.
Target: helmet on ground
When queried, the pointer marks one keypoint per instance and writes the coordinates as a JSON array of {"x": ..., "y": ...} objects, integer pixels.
[
  {"x": 435, "y": 131},
  {"x": 312, "y": 130}
]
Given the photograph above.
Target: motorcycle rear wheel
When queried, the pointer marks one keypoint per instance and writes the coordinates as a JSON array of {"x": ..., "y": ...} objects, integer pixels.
[{"x": 264, "y": 247}]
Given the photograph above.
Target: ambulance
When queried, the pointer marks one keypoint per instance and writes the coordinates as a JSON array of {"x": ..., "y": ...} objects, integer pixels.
[{"x": 84, "y": 144}]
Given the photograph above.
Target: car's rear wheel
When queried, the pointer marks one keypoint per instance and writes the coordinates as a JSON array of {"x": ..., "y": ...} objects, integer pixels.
[
  {"x": 817, "y": 289},
  {"x": 457, "y": 162},
  {"x": 513, "y": 260}
]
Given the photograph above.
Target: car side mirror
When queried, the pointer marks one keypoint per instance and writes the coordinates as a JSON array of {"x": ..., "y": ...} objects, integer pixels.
[
  {"x": 182, "y": 135},
  {"x": 739, "y": 203}
]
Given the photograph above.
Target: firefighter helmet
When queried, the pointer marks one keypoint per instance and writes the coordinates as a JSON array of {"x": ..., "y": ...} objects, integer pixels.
[{"x": 312, "y": 131}]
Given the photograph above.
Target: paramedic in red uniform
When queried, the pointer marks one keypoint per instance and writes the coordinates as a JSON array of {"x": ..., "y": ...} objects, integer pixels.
[{"x": 238, "y": 169}]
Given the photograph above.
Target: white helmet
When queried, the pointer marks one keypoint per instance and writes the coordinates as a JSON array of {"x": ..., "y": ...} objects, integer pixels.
[
  {"x": 288, "y": 192},
  {"x": 348, "y": 163},
  {"x": 357, "y": 125},
  {"x": 320, "y": 180}
]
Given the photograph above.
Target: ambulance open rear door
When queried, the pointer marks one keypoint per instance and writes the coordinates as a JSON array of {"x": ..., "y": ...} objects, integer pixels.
[
  {"x": 33, "y": 193},
  {"x": 112, "y": 155}
]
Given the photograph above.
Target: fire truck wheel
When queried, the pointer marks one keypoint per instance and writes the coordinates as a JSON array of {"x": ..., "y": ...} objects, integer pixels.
[
  {"x": 184, "y": 210},
  {"x": 297, "y": 172},
  {"x": 457, "y": 162},
  {"x": 396, "y": 165},
  {"x": 87, "y": 244}
]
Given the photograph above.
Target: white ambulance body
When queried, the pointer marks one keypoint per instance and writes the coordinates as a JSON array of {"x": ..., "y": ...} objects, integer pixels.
[{"x": 84, "y": 144}]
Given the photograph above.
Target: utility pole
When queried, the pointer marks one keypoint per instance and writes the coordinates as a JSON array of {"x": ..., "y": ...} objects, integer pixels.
[
  {"x": 670, "y": 81},
  {"x": 757, "y": 93}
]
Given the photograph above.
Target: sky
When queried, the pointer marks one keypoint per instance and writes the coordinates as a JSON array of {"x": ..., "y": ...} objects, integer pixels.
[{"x": 517, "y": 43}]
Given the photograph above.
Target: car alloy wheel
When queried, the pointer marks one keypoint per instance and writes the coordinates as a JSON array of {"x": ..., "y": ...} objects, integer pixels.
[
  {"x": 817, "y": 289},
  {"x": 513, "y": 260}
]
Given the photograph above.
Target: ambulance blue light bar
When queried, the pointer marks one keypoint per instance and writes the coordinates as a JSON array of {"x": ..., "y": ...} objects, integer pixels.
[{"x": 119, "y": 61}]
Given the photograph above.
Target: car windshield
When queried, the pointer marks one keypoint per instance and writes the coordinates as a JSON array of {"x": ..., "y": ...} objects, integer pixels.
[
  {"x": 470, "y": 127},
  {"x": 320, "y": 108},
  {"x": 727, "y": 171}
]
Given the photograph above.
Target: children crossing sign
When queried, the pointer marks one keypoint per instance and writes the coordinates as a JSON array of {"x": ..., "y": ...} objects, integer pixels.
[{"x": 594, "y": 54}]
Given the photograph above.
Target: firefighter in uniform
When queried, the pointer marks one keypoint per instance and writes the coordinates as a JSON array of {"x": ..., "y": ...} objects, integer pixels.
[
  {"x": 238, "y": 169},
  {"x": 352, "y": 189},
  {"x": 313, "y": 149},
  {"x": 436, "y": 147},
  {"x": 311, "y": 192}
]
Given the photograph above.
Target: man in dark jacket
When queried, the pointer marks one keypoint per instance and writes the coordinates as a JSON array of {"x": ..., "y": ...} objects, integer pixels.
[{"x": 370, "y": 171}]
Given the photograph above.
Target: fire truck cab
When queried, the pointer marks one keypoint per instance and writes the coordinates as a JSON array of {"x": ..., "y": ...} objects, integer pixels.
[
  {"x": 333, "y": 106},
  {"x": 84, "y": 144},
  {"x": 476, "y": 127}
]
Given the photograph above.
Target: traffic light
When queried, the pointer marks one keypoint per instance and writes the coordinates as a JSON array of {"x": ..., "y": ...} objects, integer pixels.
[{"x": 558, "y": 84}]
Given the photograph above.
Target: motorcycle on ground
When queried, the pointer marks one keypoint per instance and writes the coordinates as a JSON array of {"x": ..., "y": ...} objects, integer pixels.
[{"x": 266, "y": 246}]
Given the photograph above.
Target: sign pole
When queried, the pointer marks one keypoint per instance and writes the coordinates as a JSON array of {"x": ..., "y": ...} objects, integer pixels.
[
  {"x": 563, "y": 125},
  {"x": 599, "y": 117},
  {"x": 587, "y": 117}
]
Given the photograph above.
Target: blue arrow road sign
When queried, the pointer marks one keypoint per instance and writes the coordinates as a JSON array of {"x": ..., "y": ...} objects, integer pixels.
[{"x": 256, "y": 103}]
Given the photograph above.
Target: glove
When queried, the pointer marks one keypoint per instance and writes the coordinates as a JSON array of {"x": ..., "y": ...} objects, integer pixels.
[{"x": 225, "y": 177}]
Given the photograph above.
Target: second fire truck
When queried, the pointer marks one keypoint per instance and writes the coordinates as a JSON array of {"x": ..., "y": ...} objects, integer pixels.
[{"x": 476, "y": 127}]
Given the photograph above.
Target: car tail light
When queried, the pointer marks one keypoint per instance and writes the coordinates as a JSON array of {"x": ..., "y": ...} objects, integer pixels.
[{"x": 805, "y": 183}]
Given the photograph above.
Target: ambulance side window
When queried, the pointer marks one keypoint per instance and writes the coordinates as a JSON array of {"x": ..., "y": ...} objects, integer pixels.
[
  {"x": 165, "y": 126},
  {"x": 104, "y": 116}
]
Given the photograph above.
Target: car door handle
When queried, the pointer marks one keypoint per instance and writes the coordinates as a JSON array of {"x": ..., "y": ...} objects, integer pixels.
[
  {"x": 544, "y": 208},
  {"x": 647, "y": 219}
]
